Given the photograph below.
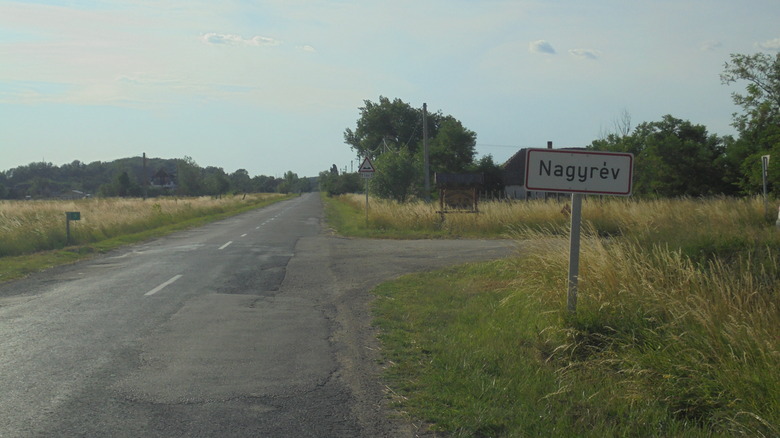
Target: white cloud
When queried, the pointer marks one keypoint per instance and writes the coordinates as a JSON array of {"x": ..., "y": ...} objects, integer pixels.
[
  {"x": 585, "y": 53},
  {"x": 238, "y": 40},
  {"x": 541, "y": 46},
  {"x": 711, "y": 45},
  {"x": 770, "y": 45},
  {"x": 307, "y": 48}
]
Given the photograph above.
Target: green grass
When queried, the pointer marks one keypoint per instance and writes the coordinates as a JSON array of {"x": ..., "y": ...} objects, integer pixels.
[
  {"x": 473, "y": 354},
  {"x": 102, "y": 239}
]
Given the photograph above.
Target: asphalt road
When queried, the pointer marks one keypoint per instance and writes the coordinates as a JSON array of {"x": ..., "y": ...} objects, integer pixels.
[{"x": 256, "y": 326}]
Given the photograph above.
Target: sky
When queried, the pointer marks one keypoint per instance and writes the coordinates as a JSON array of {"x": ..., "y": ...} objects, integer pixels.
[{"x": 270, "y": 85}]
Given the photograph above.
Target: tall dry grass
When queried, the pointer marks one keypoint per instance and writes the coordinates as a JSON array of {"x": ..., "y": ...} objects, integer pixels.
[
  {"x": 700, "y": 336},
  {"x": 493, "y": 219},
  {"x": 30, "y": 226},
  {"x": 700, "y": 221}
]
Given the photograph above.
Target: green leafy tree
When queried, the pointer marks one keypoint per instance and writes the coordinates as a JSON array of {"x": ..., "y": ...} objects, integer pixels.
[
  {"x": 673, "y": 157},
  {"x": 492, "y": 172},
  {"x": 452, "y": 150},
  {"x": 397, "y": 175},
  {"x": 189, "y": 178},
  {"x": 240, "y": 181},
  {"x": 291, "y": 183},
  {"x": 390, "y": 126},
  {"x": 759, "y": 123},
  {"x": 394, "y": 123},
  {"x": 333, "y": 183},
  {"x": 215, "y": 181},
  {"x": 122, "y": 186},
  {"x": 265, "y": 184}
]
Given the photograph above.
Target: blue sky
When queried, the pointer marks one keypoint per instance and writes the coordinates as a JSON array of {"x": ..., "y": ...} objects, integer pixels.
[{"x": 270, "y": 86}]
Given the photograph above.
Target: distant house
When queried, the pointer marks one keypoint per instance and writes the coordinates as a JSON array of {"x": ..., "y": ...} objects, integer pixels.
[
  {"x": 163, "y": 180},
  {"x": 514, "y": 176}
]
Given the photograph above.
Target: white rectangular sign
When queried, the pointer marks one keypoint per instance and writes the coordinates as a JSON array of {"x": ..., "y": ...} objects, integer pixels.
[{"x": 579, "y": 171}]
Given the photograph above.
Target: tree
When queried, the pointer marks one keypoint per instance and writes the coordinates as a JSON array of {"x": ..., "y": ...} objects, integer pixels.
[
  {"x": 291, "y": 183},
  {"x": 762, "y": 101},
  {"x": 492, "y": 172},
  {"x": 215, "y": 181},
  {"x": 398, "y": 175},
  {"x": 189, "y": 177},
  {"x": 673, "y": 157},
  {"x": 395, "y": 127},
  {"x": 122, "y": 186},
  {"x": 265, "y": 184},
  {"x": 394, "y": 123},
  {"x": 452, "y": 149},
  {"x": 241, "y": 181},
  {"x": 333, "y": 183},
  {"x": 759, "y": 124}
]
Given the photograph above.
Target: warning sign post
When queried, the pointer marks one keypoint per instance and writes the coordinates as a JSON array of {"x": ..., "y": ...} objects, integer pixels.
[{"x": 366, "y": 170}]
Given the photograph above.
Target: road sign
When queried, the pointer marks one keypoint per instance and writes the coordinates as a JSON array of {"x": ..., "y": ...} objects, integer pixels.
[
  {"x": 579, "y": 171},
  {"x": 366, "y": 167},
  {"x": 70, "y": 216}
]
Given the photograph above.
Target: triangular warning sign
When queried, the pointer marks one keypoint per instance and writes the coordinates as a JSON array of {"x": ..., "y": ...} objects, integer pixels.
[{"x": 367, "y": 166}]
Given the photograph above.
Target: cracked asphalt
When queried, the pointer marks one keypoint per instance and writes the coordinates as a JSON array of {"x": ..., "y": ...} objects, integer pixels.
[{"x": 257, "y": 325}]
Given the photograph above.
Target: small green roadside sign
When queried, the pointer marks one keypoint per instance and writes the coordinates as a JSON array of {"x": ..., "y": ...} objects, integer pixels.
[{"x": 70, "y": 216}]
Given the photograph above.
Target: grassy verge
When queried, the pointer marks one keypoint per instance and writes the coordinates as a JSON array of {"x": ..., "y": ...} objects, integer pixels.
[
  {"x": 677, "y": 331},
  {"x": 34, "y": 233},
  {"x": 473, "y": 353},
  {"x": 418, "y": 220}
]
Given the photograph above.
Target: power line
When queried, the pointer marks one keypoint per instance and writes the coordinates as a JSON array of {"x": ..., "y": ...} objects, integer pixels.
[{"x": 497, "y": 145}]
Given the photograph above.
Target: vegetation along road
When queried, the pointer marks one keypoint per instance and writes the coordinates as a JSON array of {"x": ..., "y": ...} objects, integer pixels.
[{"x": 257, "y": 325}]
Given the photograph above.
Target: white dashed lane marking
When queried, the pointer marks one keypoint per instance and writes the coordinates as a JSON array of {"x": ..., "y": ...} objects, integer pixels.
[{"x": 163, "y": 286}]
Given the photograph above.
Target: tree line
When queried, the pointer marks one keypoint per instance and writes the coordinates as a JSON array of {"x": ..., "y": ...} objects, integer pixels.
[
  {"x": 673, "y": 157},
  {"x": 128, "y": 177}
]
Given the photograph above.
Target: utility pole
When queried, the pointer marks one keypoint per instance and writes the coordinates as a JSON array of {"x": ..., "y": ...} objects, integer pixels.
[
  {"x": 426, "y": 163},
  {"x": 146, "y": 178}
]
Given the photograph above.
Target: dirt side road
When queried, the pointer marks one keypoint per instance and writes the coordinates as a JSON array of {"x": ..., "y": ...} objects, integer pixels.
[{"x": 348, "y": 269}]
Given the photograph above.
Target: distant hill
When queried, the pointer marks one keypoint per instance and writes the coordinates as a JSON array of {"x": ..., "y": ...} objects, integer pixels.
[{"x": 127, "y": 177}]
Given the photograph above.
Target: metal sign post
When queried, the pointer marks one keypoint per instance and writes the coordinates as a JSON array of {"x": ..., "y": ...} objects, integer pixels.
[
  {"x": 574, "y": 251},
  {"x": 578, "y": 172},
  {"x": 366, "y": 170},
  {"x": 764, "y": 170},
  {"x": 70, "y": 216}
]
